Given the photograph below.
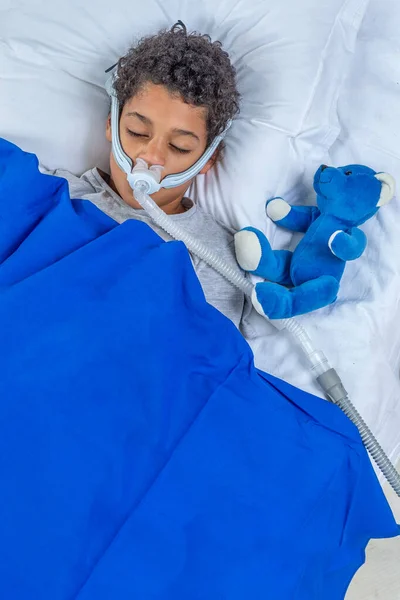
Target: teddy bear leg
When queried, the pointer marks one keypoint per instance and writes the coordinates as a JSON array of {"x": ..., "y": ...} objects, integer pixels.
[
  {"x": 277, "y": 302},
  {"x": 255, "y": 255}
]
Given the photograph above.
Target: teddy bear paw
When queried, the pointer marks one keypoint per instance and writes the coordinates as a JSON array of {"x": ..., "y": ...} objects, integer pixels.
[
  {"x": 248, "y": 249},
  {"x": 277, "y": 209}
]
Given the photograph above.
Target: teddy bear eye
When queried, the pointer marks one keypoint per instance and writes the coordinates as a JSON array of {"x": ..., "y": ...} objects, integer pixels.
[{"x": 348, "y": 172}]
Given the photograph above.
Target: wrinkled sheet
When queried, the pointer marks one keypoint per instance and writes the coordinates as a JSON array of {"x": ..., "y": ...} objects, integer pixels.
[{"x": 359, "y": 334}]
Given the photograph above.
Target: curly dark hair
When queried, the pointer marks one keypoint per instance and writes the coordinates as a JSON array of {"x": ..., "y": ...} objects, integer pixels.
[{"x": 188, "y": 64}]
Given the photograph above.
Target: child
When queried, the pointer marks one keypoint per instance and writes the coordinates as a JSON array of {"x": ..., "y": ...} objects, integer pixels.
[{"x": 176, "y": 92}]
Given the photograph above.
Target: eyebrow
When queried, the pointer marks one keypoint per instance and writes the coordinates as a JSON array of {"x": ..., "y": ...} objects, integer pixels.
[
  {"x": 142, "y": 118},
  {"x": 185, "y": 132},
  {"x": 148, "y": 121}
]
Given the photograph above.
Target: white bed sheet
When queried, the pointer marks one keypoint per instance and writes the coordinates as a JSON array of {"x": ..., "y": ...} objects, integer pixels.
[{"x": 360, "y": 334}]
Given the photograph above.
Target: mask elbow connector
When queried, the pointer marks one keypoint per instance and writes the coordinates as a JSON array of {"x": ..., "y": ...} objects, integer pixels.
[{"x": 144, "y": 178}]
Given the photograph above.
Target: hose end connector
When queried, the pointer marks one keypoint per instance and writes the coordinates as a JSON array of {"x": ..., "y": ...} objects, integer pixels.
[{"x": 332, "y": 385}]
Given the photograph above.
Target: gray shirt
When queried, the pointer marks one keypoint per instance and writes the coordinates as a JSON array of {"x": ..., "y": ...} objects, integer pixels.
[{"x": 218, "y": 291}]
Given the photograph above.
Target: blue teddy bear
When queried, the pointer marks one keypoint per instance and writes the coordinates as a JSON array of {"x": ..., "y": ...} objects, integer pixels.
[{"x": 309, "y": 278}]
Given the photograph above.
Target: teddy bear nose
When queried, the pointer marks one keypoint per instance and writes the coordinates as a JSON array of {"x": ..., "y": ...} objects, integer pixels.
[{"x": 325, "y": 174}]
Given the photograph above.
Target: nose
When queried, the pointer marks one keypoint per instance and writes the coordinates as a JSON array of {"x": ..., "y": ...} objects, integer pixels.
[
  {"x": 323, "y": 167},
  {"x": 152, "y": 153}
]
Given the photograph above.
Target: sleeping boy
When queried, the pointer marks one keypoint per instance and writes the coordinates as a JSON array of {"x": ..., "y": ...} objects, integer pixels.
[{"x": 177, "y": 92}]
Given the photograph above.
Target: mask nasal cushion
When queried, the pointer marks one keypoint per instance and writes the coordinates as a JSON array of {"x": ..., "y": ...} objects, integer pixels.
[{"x": 147, "y": 179}]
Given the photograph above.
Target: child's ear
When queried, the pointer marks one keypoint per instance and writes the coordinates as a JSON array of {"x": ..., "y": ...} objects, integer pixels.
[
  {"x": 108, "y": 128},
  {"x": 210, "y": 163}
]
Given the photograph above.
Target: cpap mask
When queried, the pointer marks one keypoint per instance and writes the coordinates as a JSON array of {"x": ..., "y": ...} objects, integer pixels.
[{"x": 141, "y": 171}]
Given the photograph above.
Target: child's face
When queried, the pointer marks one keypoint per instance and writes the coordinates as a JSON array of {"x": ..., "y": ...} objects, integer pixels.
[{"x": 163, "y": 130}]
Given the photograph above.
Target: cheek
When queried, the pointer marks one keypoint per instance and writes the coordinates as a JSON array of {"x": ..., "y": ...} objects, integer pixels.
[
  {"x": 113, "y": 166},
  {"x": 177, "y": 191},
  {"x": 115, "y": 170},
  {"x": 120, "y": 181},
  {"x": 165, "y": 196}
]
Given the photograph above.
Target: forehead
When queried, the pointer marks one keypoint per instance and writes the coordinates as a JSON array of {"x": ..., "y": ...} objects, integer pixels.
[{"x": 158, "y": 104}]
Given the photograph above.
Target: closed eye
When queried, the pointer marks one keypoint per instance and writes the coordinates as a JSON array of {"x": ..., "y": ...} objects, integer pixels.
[
  {"x": 181, "y": 150},
  {"x": 144, "y": 135},
  {"x": 137, "y": 135}
]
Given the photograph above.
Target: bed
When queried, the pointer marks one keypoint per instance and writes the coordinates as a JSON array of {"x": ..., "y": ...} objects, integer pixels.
[{"x": 320, "y": 83}]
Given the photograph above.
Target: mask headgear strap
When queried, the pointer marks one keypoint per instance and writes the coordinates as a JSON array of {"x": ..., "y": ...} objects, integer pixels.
[{"x": 125, "y": 163}]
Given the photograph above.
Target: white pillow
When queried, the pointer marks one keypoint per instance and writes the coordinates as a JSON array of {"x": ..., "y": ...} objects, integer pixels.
[{"x": 291, "y": 57}]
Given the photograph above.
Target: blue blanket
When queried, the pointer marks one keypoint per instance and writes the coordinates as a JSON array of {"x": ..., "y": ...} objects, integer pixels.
[{"x": 142, "y": 454}]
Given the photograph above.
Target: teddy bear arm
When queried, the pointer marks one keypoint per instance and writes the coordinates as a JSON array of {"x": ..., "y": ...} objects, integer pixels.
[
  {"x": 348, "y": 246},
  {"x": 294, "y": 218}
]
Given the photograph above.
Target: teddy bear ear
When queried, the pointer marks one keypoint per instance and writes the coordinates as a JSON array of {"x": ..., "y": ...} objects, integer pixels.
[{"x": 388, "y": 188}]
